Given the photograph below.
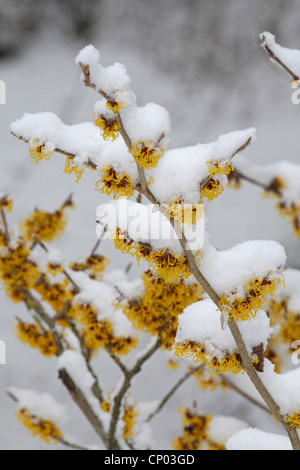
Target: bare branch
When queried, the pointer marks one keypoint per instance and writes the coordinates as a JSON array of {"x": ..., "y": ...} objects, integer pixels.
[
  {"x": 83, "y": 404},
  {"x": 274, "y": 57},
  {"x": 172, "y": 391}
]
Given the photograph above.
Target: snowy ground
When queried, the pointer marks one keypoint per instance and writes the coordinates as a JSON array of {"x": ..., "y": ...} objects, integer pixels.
[{"x": 45, "y": 78}]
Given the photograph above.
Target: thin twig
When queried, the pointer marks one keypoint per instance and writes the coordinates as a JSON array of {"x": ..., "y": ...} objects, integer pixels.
[
  {"x": 172, "y": 391},
  {"x": 81, "y": 401},
  {"x": 245, "y": 395},
  {"x": 69, "y": 444},
  {"x": 65, "y": 273},
  {"x": 123, "y": 390},
  {"x": 274, "y": 57}
]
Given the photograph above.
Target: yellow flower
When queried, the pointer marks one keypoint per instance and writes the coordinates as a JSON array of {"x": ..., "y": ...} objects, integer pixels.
[
  {"x": 218, "y": 365},
  {"x": 6, "y": 203},
  {"x": 222, "y": 167},
  {"x": 45, "y": 225},
  {"x": 94, "y": 265},
  {"x": 71, "y": 168},
  {"x": 168, "y": 265},
  {"x": 163, "y": 262},
  {"x": 157, "y": 311},
  {"x": 109, "y": 128},
  {"x": 114, "y": 106},
  {"x": 99, "y": 333},
  {"x": 195, "y": 431},
  {"x": 17, "y": 271},
  {"x": 56, "y": 294},
  {"x": 54, "y": 269},
  {"x": 185, "y": 213},
  {"x": 294, "y": 419},
  {"x": 256, "y": 293},
  {"x": 212, "y": 189},
  {"x": 146, "y": 155},
  {"x": 130, "y": 414},
  {"x": 173, "y": 364},
  {"x": 111, "y": 182},
  {"x": 45, "y": 429},
  {"x": 32, "y": 334},
  {"x": 106, "y": 405},
  {"x": 38, "y": 152},
  {"x": 290, "y": 328}
]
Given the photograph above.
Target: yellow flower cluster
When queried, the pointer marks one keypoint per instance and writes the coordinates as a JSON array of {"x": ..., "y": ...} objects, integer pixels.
[
  {"x": 146, "y": 155},
  {"x": 106, "y": 405},
  {"x": 94, "y": 266},
  {"x": 114, "y": 106},
  {"x": 272, "y": 353},
  {"x": 285, "y": 209},
  {"x": 56, "y": 294},
  {"x": 71, "y": 168},
  {"x": 212, "y": 189},
  {"x": 195, "y": 429},
  {"x": 38, "y": 152},
  {"x": 185, "y": 213},
  {"x": 17, "y": 271},
  {"x": 6, "y": 203},
  {"x": 99, "y": 333},
  {"x": 32, "y": 334},
  {"x": 287, "y": 329},
  {"x": 164, "y": 263},
  {"x": 217, "y": 365},
  {"x": 160, "y": 305},
  {"x": 54, "y": 269},
  {"x": 111, "y": 182},
  {"x": 291, "y": 211},
  {"x": 256, "y": 293},
  {"x": 109, "y": 128},
  {"x": 45, "y": 429},
  {"x": 130, "y": 414},
  {"x": 222, "y": 167},
  {"x": 45, "y": 225},
  {"x": 294, "y": 419}
]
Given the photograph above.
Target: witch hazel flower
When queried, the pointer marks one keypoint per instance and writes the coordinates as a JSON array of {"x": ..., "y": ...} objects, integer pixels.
[
  {"x": 244, "y": 276},
  {"x": 201, "y": 338}
]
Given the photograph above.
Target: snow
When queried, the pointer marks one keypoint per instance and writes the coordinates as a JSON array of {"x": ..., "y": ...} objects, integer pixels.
[
  {"x": 54, "y": 256},
  {"x": 227, "y": 270},
  {"x": 112, "y": 80},
  {"x": 291, "y": 290},
  {"x": 144, "y": 223},
  {"x": 82, "y": 140},
  {"x": 290, "y": 57},
  {"x": 101, "y": 295},
  {"x": 222, "y": 427},
  {"x": 255, "y": 439},
  {"x": 200, "y": 323},
  {"x": 42, "y": 405},
  {"x": 76, "y": 367},
  {"x": 147, "y": 123},
  {"x": 285, "y": 387},
  {"x": 181, "y": 170}
]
